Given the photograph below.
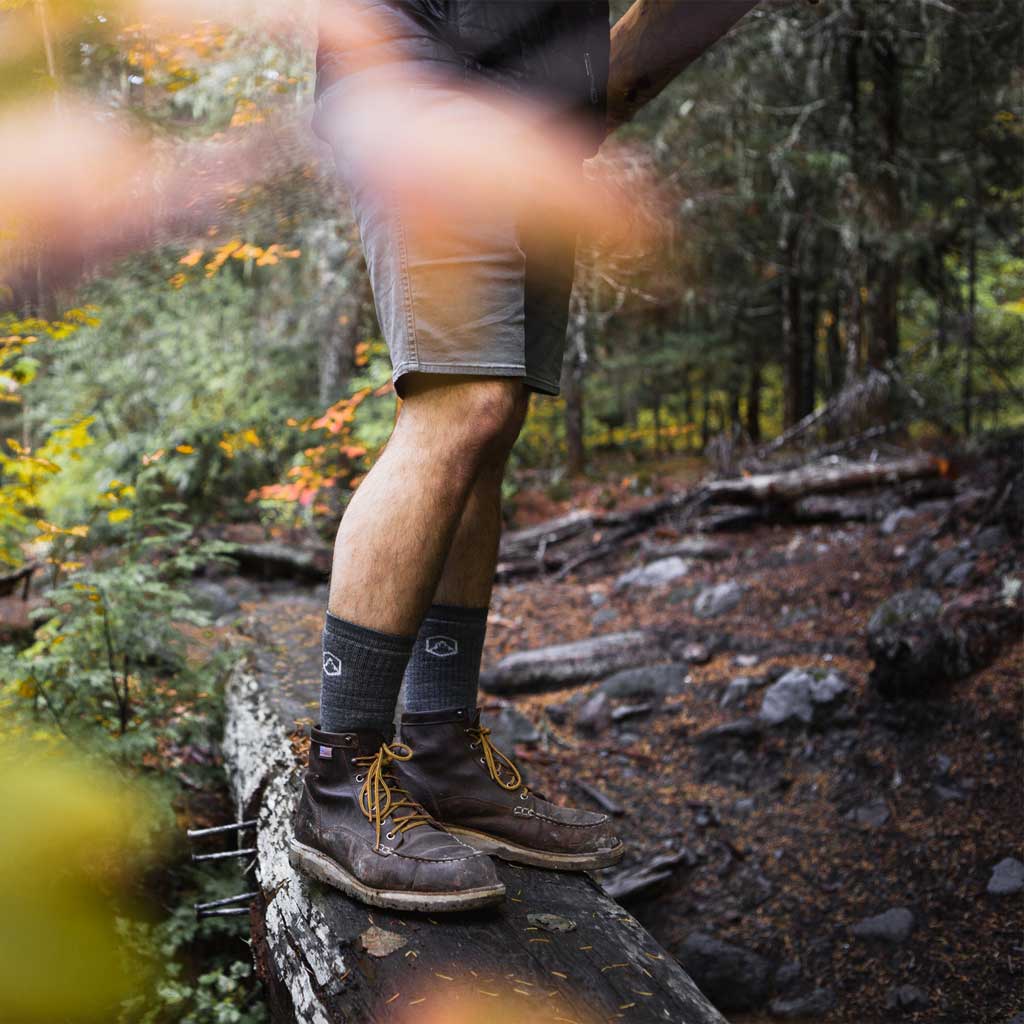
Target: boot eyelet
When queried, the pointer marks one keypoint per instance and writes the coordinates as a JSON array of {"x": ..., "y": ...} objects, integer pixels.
[
  {"x": 482, "y": 761},
  {"x": 473, "y": 746},
  {"x": 522, "y": 796},
  {"x": 360, "y": 778},
  {"x": 389, "y": 835}
]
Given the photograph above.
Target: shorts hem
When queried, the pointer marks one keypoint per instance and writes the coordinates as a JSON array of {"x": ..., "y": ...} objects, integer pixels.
[
  {"x": 480, "y": 369},
  {"x": 543, "y": 387}
]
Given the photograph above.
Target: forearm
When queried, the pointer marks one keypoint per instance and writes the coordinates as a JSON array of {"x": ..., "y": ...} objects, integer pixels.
[{"x": 655, "y": 40}]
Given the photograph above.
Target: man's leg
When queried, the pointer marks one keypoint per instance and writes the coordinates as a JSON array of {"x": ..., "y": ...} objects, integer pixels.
[
  {"x": 356, "y": 826},
  {"x": 444, "y": 669}
]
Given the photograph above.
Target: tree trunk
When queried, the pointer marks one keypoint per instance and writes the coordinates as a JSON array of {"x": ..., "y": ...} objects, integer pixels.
[
  {"x": 754, "y": 383},
  {"x": 338, "y": 345},
  {"x": 572, "y": 384},
  {"x": 792, "y": 346},
  {"x": 654, "y": 41}
]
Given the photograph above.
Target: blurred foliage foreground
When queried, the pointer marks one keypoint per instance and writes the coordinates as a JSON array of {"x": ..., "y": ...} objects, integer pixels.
[{"x": 842, "y": 205}]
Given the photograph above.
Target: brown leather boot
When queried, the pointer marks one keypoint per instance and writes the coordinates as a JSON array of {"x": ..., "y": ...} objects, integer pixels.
[
  {"x": 357, "y": 828},
  {"x": 477, "y": 793}
]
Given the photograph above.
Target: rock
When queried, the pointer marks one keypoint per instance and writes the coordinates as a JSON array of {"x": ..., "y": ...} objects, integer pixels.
[
  {"x": 814, "y": 1004},
  {"x": 650, "y": 681},
  {"x": 949, "y": 794},
  {"x": 275, "y": 560},
  {"x": 558, "y": 713},
  {"x": 510, "y": 727},
  {"x": 696, "y": 654},
  {"x": 960, "y": 575},
  {"x": 744, "y": 806},
  {"x": 631, "y": 711},
  {"x": 624, "y": 883},
  {"x": 891, "y": 523},
  {"x": 935, "y": 571},
  {"x": 1007, "y": 877},
  {"x": 906, "y": 998},
  {"x": 798, "y": 694},
  {"x": 597, "y": 599},
  {"x": 894, "y": 925},
  {"x": 990, "y": 538},
  {"x": 920, "y": 553},
  {"x": 787, "y": 976},
  {"x": 871, "y": 815},
  {"x": 214, "y": 598},
  {"x": 596, "y": 714},
  {"x": 717, "y": 600},
  {"x": 654, "y": 574},
  {"x": 603, "y": 616},
  {"x": 794, "y": 616},
  {"x": 560, "y": 665},
  {"x": 733, "y": 978},
  {"x": 911, "y": 648},
  {"x": 742, "y": 728},
  {"x": 738, "y": 689},
  {"x": 746, "y": 660}
]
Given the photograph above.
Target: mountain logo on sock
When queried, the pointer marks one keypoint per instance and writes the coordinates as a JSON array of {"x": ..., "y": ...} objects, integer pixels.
[
  {"x": 442, "y": 646},
  {"x": 332, "y": 665}
]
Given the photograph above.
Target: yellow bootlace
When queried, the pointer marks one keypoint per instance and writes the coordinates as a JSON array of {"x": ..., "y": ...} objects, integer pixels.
[
  {"x": 496, "y": 760},
  {"x": 377, "y": 797}
]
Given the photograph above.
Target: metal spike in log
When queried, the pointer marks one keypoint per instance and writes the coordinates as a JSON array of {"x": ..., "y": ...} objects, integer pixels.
[
  {"x": 224, "y": 854},
  {"x": 235, "y": 826},
  {"x": 242, "y": 897},
  {"x": 223, "y": 912}
]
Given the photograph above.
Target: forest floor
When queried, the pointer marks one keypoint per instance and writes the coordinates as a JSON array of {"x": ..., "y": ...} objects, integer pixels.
[{"x": 785, "y": 838}]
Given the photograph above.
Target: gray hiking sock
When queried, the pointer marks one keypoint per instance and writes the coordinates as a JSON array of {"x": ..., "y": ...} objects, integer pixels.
[
  {"x": 362, "y": 672},
  {"x": 444, "y": 669}
]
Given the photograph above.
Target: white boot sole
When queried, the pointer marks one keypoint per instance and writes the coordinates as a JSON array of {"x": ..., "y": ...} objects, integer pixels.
[
  {"x": 536, "y": 858},
  {"x": 320, "y": 866}
]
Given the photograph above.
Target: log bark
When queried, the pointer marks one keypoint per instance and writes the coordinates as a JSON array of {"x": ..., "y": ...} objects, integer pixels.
[{"x": 558, "y": 948}]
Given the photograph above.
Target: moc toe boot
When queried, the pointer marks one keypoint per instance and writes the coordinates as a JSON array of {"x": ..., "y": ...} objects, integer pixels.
[
  {"x": 477, "y": 793},
  {"x": 358, "y": 829}
]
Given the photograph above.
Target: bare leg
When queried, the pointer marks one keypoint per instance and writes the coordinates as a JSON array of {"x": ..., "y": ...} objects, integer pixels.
[
  {"x": 468, "y": 575},
  {"x": 396, "y": 533}
]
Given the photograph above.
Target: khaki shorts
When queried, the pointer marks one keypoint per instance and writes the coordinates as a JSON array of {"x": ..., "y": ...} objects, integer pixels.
[{"x": 481, "y": 294}]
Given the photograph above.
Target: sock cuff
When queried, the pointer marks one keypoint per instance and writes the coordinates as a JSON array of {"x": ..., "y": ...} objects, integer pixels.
[
  {"x": 350, "y": 632},
  {"x": 457, "y": 613}
]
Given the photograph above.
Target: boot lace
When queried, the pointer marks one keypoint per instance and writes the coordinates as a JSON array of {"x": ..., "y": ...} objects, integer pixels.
[
  {"x": 377, "y": 798},
  {"x": 497, "y": 762}
]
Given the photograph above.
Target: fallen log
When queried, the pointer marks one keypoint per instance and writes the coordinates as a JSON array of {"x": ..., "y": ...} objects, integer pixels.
[
  {"x": 558, "y": 948},
  {"x": 832, "y": 477},
  {"x": 10, "y": 581},
  {"x": 551, "y": 668},
  {"x": 531, "y": 541},
  {"x": 273, "y": 560}
]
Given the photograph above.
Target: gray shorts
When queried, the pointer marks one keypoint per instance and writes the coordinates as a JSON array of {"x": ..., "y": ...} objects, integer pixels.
[{"x": 473, "y": 294}]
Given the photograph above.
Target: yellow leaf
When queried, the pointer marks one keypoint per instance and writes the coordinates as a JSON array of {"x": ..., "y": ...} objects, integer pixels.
[
  {"x": 192, "y": 258},
  {"x": 119, "y": 515},
  {"x": 185, "y": 449}
]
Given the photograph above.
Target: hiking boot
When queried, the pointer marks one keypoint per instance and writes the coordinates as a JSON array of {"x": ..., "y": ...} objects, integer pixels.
[
  {"x": 477, "y": 793},
  {"x": 358, "y": 829}
]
